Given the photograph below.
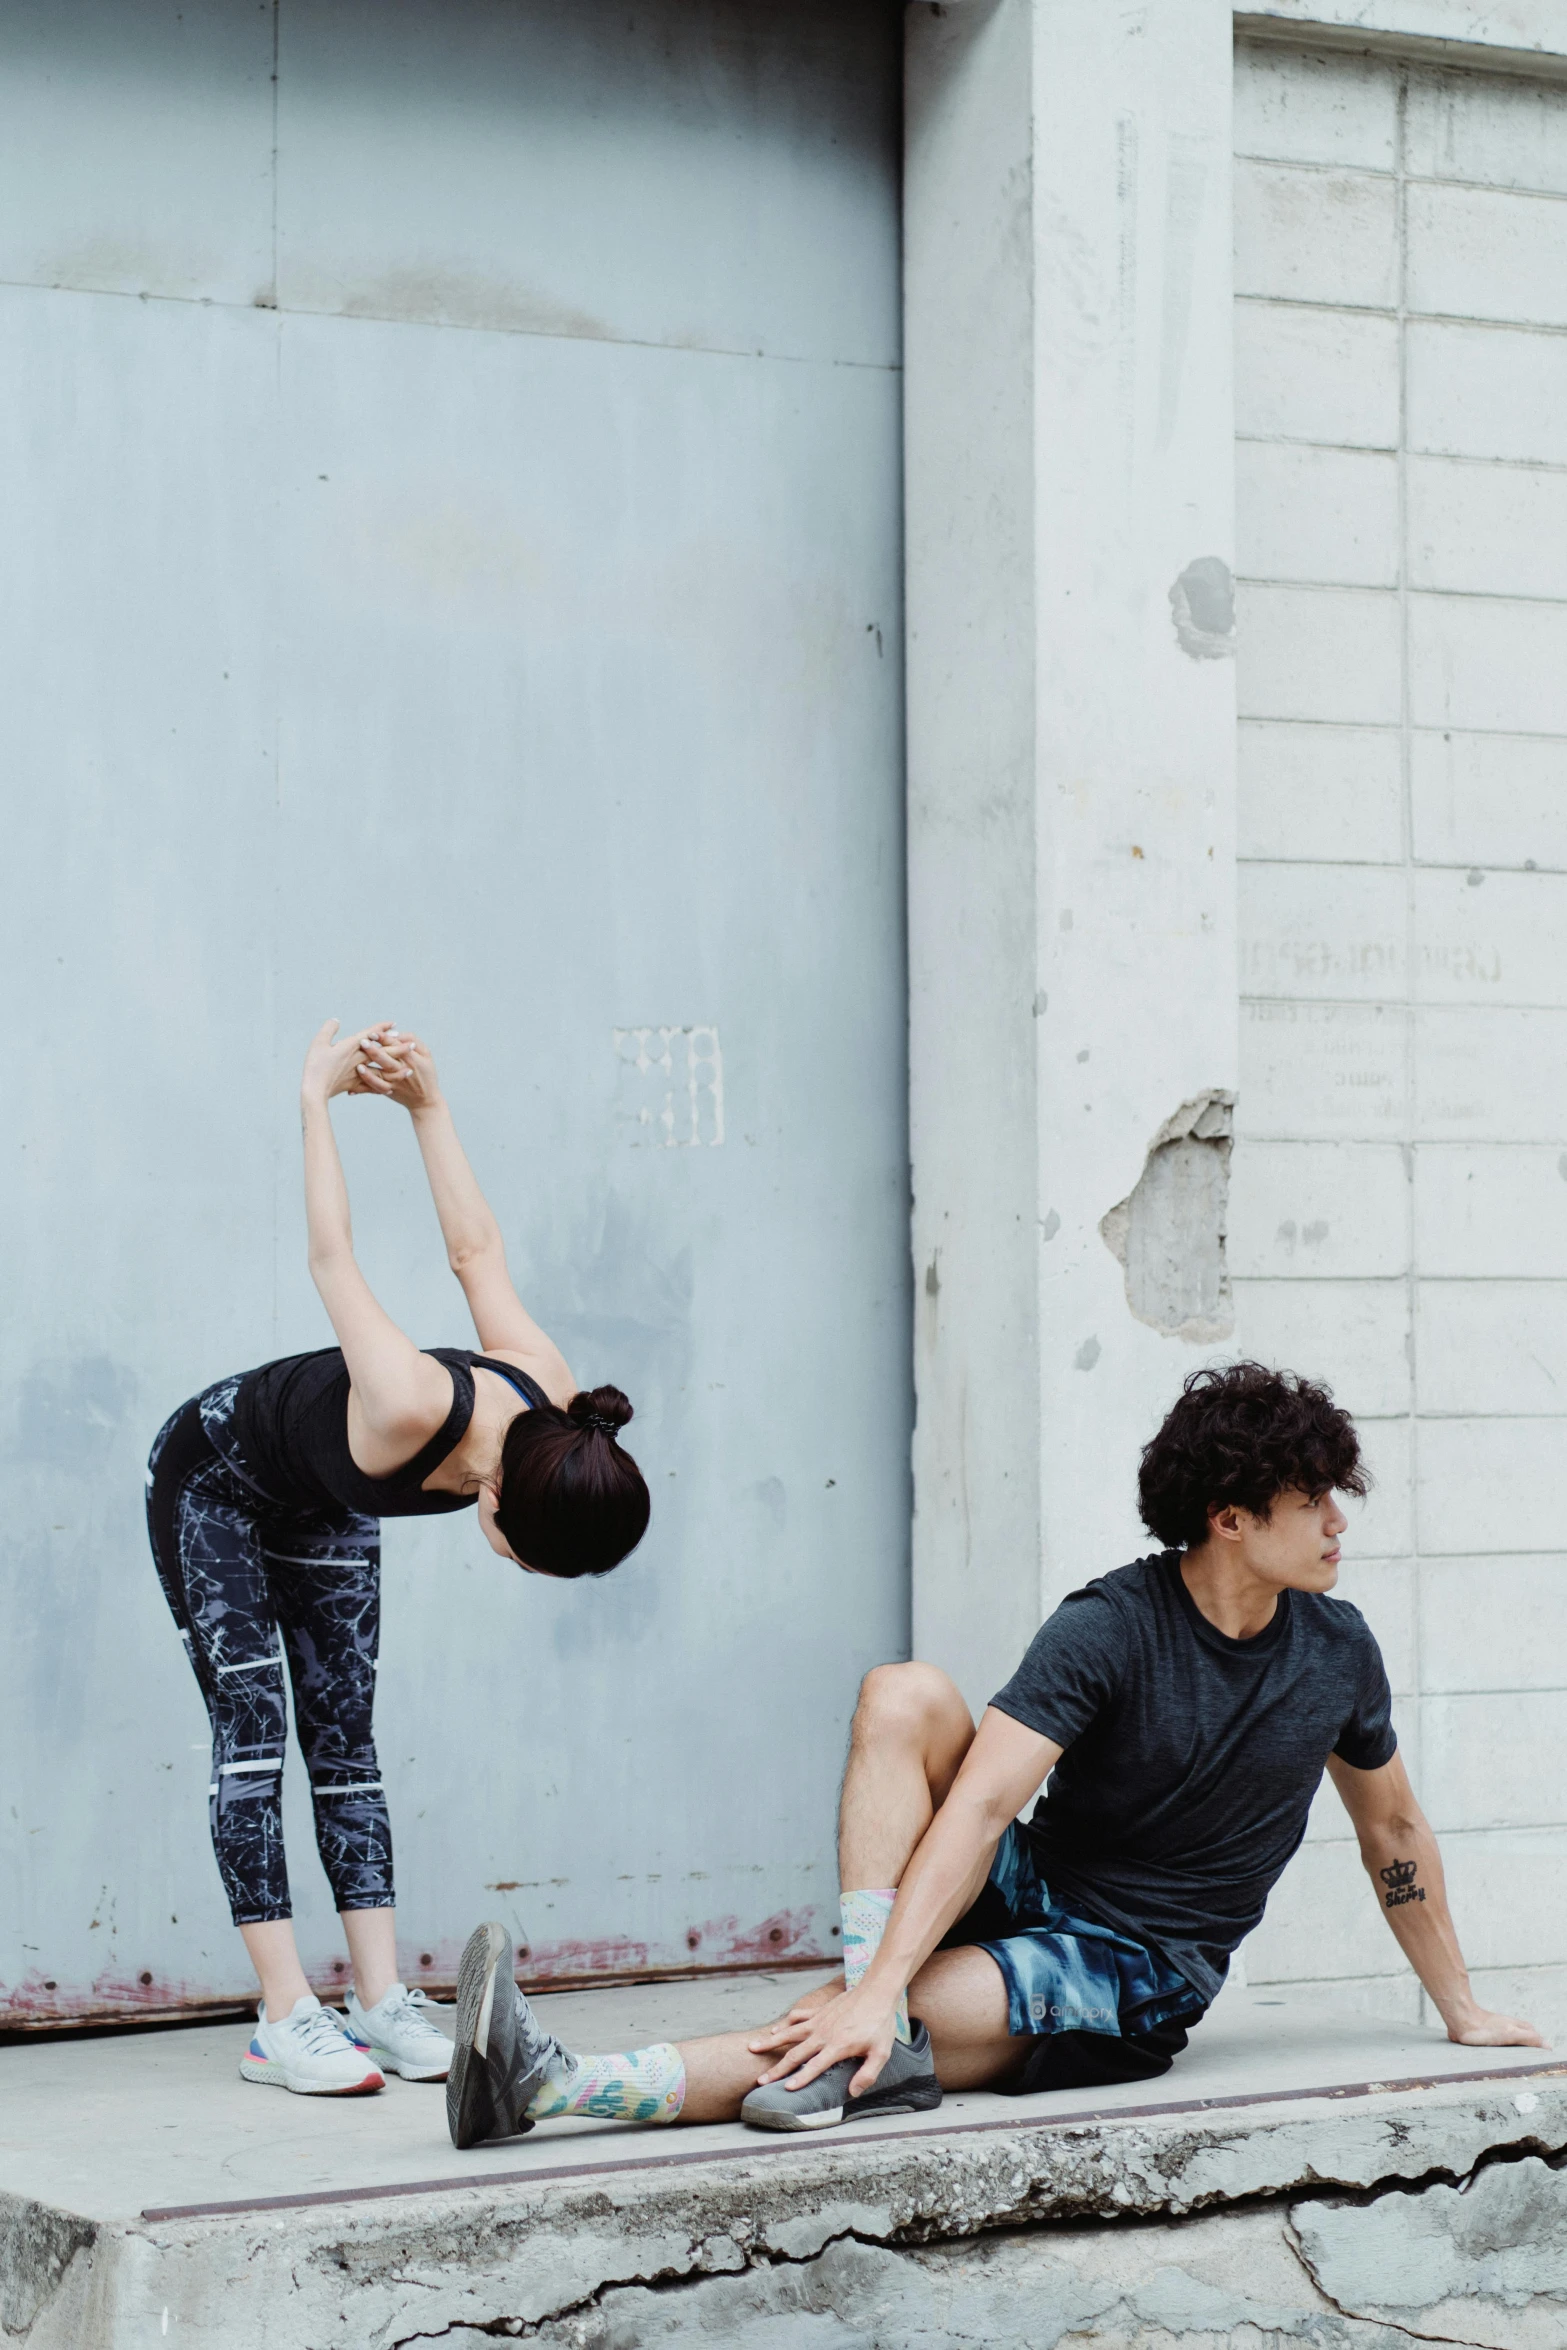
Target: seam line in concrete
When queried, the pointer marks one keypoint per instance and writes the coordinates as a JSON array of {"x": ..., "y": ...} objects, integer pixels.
[
  {"x": 1261, "y": 301},
  {"x": 1454, "y": 457},
  {"x": 459, "y": 326},
  {"x": 786, "y": 2145},
  {"x": 1382, "y": 1003},
  {"x": 1526, "y": 734},
  {"x": 1389, "y": 175},
  {"x": 1390, "y": 588}
]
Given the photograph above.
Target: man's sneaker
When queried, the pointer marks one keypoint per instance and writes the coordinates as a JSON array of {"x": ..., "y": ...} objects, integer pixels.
[
  {"x": 907, "y": 2083},
  {"x": 400, "y": 2034},
  {"x": 501, "y": 2052},
  {"x": 306, "y": 2052}
]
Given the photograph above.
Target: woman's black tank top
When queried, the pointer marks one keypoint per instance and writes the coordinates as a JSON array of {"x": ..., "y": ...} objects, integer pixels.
[{"x": 291, "y": 1425}]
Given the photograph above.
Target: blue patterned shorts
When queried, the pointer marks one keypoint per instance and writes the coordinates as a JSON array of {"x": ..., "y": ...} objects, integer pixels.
[{"x": 1064, "y": 1973}]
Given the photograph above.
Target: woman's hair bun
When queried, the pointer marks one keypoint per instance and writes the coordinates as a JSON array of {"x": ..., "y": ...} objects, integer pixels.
[
  {"x": 572, "y": 1501},
  {"x": 604, "y": 1408}
]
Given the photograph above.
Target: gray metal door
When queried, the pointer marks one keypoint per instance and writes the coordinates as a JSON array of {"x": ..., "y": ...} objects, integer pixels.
[{"x": 451, "y": 460}]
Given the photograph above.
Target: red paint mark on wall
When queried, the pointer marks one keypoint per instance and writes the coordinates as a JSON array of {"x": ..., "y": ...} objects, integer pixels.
[
  {"x": 117, "y": 1992},
  {"x": 718, "y": 1945},
  {"x": 547, "y": 1962},
  {"x": 787, "y": 1934}
]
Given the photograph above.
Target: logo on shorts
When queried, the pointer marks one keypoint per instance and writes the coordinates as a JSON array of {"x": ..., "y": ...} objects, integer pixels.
[
  {"x": 1079, "y": 2019},
  {"x": 1399, "y": 1879}
]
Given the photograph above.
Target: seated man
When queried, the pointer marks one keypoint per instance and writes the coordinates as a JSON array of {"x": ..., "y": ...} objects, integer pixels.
[{"x": 1182, "y": 1710}]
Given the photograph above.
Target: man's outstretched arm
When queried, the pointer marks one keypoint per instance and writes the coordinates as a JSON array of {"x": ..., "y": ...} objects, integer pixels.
[
  {"x": 1002, "y": 1769},
  {"x": 1405, "y": 1868}
]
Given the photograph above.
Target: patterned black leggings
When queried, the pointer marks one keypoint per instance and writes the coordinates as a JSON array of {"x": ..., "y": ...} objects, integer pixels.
[{"x": 237, "y": 1570}]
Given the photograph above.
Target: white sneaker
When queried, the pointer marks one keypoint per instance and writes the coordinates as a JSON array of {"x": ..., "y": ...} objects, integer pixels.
[
  {"x": 398, "y": 2034},
  {"x": 306, "y": 2052}
]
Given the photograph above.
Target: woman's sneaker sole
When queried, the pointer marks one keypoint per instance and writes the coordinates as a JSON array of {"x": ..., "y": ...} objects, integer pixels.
[
  {"x": 408, "y": 2072},
  {"x": 269, "y": 2072}
]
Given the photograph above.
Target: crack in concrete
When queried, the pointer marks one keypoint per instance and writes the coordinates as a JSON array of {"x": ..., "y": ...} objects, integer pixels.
[
  {"x": 1354, "y": 2316},
  {"x": 667, "y": 2279},
  {"x": 1062, "y": 2210},
  {"x": 1490, "y": 2158},
  {"x": 693, "y": 2274},
  {"x": 1476, "y": 2248},
  {"x": 661, "y": 2280}
]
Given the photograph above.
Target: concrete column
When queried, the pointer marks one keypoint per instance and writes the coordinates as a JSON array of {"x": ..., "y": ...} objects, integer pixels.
[{"x": 1071, "y": 763}]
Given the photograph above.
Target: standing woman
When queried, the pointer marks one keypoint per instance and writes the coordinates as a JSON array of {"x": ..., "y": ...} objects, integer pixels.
[{"x": 264, "y": 1500}]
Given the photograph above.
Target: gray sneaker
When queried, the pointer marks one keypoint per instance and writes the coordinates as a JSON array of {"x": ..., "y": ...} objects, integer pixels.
[
  {"x": 907, "y": 2083},
  {"x": 500, "y": 2051}
]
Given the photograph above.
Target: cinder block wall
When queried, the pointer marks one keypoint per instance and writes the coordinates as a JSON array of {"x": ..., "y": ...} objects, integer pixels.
[{"x": 1399, "y": 1204}]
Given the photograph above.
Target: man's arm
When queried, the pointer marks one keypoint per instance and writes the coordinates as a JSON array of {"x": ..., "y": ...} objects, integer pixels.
[
  {"x": 1002, "y": 1769},
  {"x": 1405, "y": 1868}
]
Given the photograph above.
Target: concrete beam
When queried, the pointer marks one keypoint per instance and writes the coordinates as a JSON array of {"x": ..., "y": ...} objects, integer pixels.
[
  {"x": 1071, "y": 758},
  {"x": 1519, "y": 36}
]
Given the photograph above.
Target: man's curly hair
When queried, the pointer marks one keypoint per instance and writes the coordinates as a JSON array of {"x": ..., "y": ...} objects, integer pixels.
[{"x": 1243, "y": 1434}]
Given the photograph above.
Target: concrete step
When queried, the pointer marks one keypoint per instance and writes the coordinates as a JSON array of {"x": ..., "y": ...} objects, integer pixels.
[{"x": 147, "y": 2193}]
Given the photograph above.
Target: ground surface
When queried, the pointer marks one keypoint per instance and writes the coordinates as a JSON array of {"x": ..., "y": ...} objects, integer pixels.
[
  {"x": 158, "y": 2121},
  {"x": 1303, "y": 2176}
]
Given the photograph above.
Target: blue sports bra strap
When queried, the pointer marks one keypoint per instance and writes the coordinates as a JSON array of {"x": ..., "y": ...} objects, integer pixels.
[{"x": 531, "y": 1392}]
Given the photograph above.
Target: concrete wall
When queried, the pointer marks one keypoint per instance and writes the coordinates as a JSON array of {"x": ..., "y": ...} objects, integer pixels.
[
  {"x": 425, "y": 524},
  {"x": 1398, "y": 1214},
  {"x": 1394, "y": 1198},
  {"x": 1071, "y": 772},
  {"x": 452, "y": 498}
]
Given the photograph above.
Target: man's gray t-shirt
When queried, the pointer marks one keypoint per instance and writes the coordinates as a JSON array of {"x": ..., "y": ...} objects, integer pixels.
[{"x": 1191, "y": 1758}]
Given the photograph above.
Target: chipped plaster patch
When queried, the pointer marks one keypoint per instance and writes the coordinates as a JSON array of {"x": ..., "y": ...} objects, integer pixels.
[
  {"x": 1202, "y": 606},
  {"x": 1169, "y": 1232}
]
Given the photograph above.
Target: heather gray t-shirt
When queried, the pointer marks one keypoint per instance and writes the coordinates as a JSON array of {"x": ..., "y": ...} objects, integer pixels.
[{"x": 1191, "y": 1759}]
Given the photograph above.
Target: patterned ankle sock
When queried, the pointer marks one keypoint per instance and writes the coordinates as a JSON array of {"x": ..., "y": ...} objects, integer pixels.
[
  {"x": 644, "y": 2085},
  {"x": 865, "y": 1916}
]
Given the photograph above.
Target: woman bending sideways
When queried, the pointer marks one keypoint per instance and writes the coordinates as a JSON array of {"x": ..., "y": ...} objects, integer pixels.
[{"x": 264, "y": 1500}]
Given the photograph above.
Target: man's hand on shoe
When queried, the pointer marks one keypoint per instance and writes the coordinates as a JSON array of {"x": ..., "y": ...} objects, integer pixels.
[
  {"x": 1477, "y": 2027},
  {"x": 858, "y": 2023},
  {"x": 808, "y": 2003}
]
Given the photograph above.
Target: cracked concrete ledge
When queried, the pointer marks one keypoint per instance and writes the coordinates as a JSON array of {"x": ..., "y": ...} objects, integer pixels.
[{"x": 1436, "y": 2215}]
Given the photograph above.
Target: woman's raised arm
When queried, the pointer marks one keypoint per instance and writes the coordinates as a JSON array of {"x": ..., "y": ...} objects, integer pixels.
[
  {"x": 398, "y": 1396},
  {"x": 474, "y": 1248}
]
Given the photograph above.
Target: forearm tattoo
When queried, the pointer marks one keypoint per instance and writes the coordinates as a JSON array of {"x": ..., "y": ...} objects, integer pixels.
[{"x": 1400, "y": 1882}]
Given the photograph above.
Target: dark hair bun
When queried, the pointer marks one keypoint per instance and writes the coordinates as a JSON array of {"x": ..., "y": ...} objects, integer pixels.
[
  {"x": 604, "y": 1408},
  {"x": 572, "y": 1501}
]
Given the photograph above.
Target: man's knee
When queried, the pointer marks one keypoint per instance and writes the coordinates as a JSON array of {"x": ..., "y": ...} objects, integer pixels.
[{"x": 910, "y": 1700}]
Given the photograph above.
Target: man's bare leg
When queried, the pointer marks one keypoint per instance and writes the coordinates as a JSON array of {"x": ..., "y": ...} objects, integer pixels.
[{"x": 910, "y": 1733}]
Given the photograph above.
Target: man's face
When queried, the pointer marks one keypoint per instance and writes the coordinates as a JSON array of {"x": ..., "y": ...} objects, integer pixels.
[{"x": 1296, "y": 1547}]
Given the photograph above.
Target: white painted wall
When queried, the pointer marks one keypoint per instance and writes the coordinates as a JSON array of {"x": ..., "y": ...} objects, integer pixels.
[
  {"x": 1399, "y": 1209},
  {"x": 1398, "y": 1214}
]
